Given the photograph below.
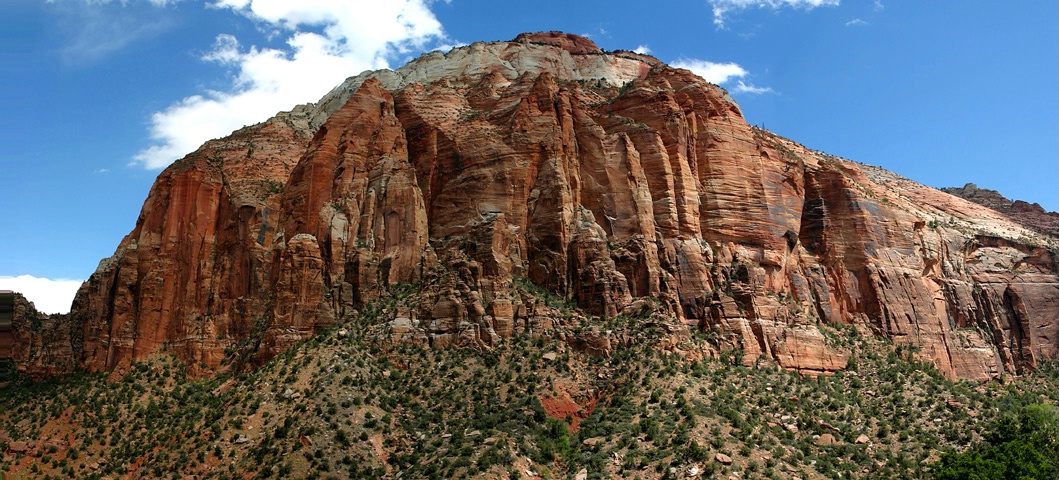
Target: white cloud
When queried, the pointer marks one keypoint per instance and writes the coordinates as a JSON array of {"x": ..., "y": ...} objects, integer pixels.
[
  {"x": 96, "y": 29},
  {"x": 718, "y": 73},
  {"x": 856, "y": 22},
  {"x": 327, "y": 41},
  {"x": 642, "y": 50},
  {"x": 721, "y": 73},
  {"x": 49, "y": 296},
  {"x": 721, "y": 8},
  {"x": 741, "y": 87},
  {"x": 445, "y": 47}
]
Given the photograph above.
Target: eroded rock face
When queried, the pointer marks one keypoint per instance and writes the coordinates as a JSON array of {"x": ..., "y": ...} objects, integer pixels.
[
  {"x": 195, "y": 276},
  {"x": 498, "y": 175},
  {"x": 42, "y": 345},
  {"x": 1031, "y": 215}
]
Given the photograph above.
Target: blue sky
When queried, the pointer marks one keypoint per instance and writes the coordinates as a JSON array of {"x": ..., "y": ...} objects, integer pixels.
[{"x": 100, "y": 95}]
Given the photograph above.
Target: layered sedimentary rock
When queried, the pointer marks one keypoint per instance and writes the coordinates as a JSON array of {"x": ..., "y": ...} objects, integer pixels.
[
  {"x": 502, "y": 184},
  {"x": 197, "y": 274}
]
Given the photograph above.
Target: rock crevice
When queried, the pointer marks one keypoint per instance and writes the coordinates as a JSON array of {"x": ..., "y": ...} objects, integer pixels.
[{"x": 497, "y": 176}]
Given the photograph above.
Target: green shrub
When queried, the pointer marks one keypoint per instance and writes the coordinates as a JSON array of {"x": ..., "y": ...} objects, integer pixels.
[{"x": 1023, "y": 445}]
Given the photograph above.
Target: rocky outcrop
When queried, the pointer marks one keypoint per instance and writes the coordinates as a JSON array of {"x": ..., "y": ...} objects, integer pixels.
[
  {"x": 195, "y": 276},
  {"x": 528, "y": 186},
  {"x": 41, "y": 345},
  {"x": 1031, "y": 215}
]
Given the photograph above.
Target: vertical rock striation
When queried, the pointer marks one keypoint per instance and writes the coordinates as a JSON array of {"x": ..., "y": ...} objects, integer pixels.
[{"x": 609, "y": 180}]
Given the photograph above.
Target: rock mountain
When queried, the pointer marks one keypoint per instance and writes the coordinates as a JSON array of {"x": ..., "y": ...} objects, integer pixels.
[{"x": 622, "y": 186}]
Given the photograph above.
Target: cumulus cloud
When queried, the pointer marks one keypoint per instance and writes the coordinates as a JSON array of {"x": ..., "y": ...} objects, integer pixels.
[
  {"x": 721, "y": 74},
  {"x": 326, "y": 41},
  {"x": 721, "y": 8},
  {"x": 642, "y": 50},
  {"x": 49, "y": 296},
  {"x": 741, "y": 87},
  {"x": 718, "y": 73}
]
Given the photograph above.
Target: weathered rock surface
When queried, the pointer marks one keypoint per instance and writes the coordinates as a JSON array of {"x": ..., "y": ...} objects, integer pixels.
[
  {"x": 1031, "y": 215},
  {"x": 42, "y": 345},
  {"x": 500, "y": 183}
]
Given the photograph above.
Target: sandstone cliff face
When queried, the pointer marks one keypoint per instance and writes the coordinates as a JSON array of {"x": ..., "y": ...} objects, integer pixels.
[
  {"x": 195, "y": 275},
  {"x": 42, "y": 345},
  {"x": 479, "y": 177}
]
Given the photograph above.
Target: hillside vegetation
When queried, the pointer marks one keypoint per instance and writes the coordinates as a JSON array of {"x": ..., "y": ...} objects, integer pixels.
[{"x": 350, "y": 404}]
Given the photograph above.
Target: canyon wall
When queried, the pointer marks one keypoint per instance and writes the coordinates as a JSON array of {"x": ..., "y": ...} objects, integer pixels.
[{"x": 488, "y": 178}]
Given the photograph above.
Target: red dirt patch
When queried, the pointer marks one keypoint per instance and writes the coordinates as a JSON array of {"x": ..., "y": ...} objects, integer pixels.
[{"x": 560, "y": 408}]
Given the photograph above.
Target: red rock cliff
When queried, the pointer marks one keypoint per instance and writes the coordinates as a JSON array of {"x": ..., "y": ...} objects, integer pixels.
[{"x": 606, "y": 179}]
